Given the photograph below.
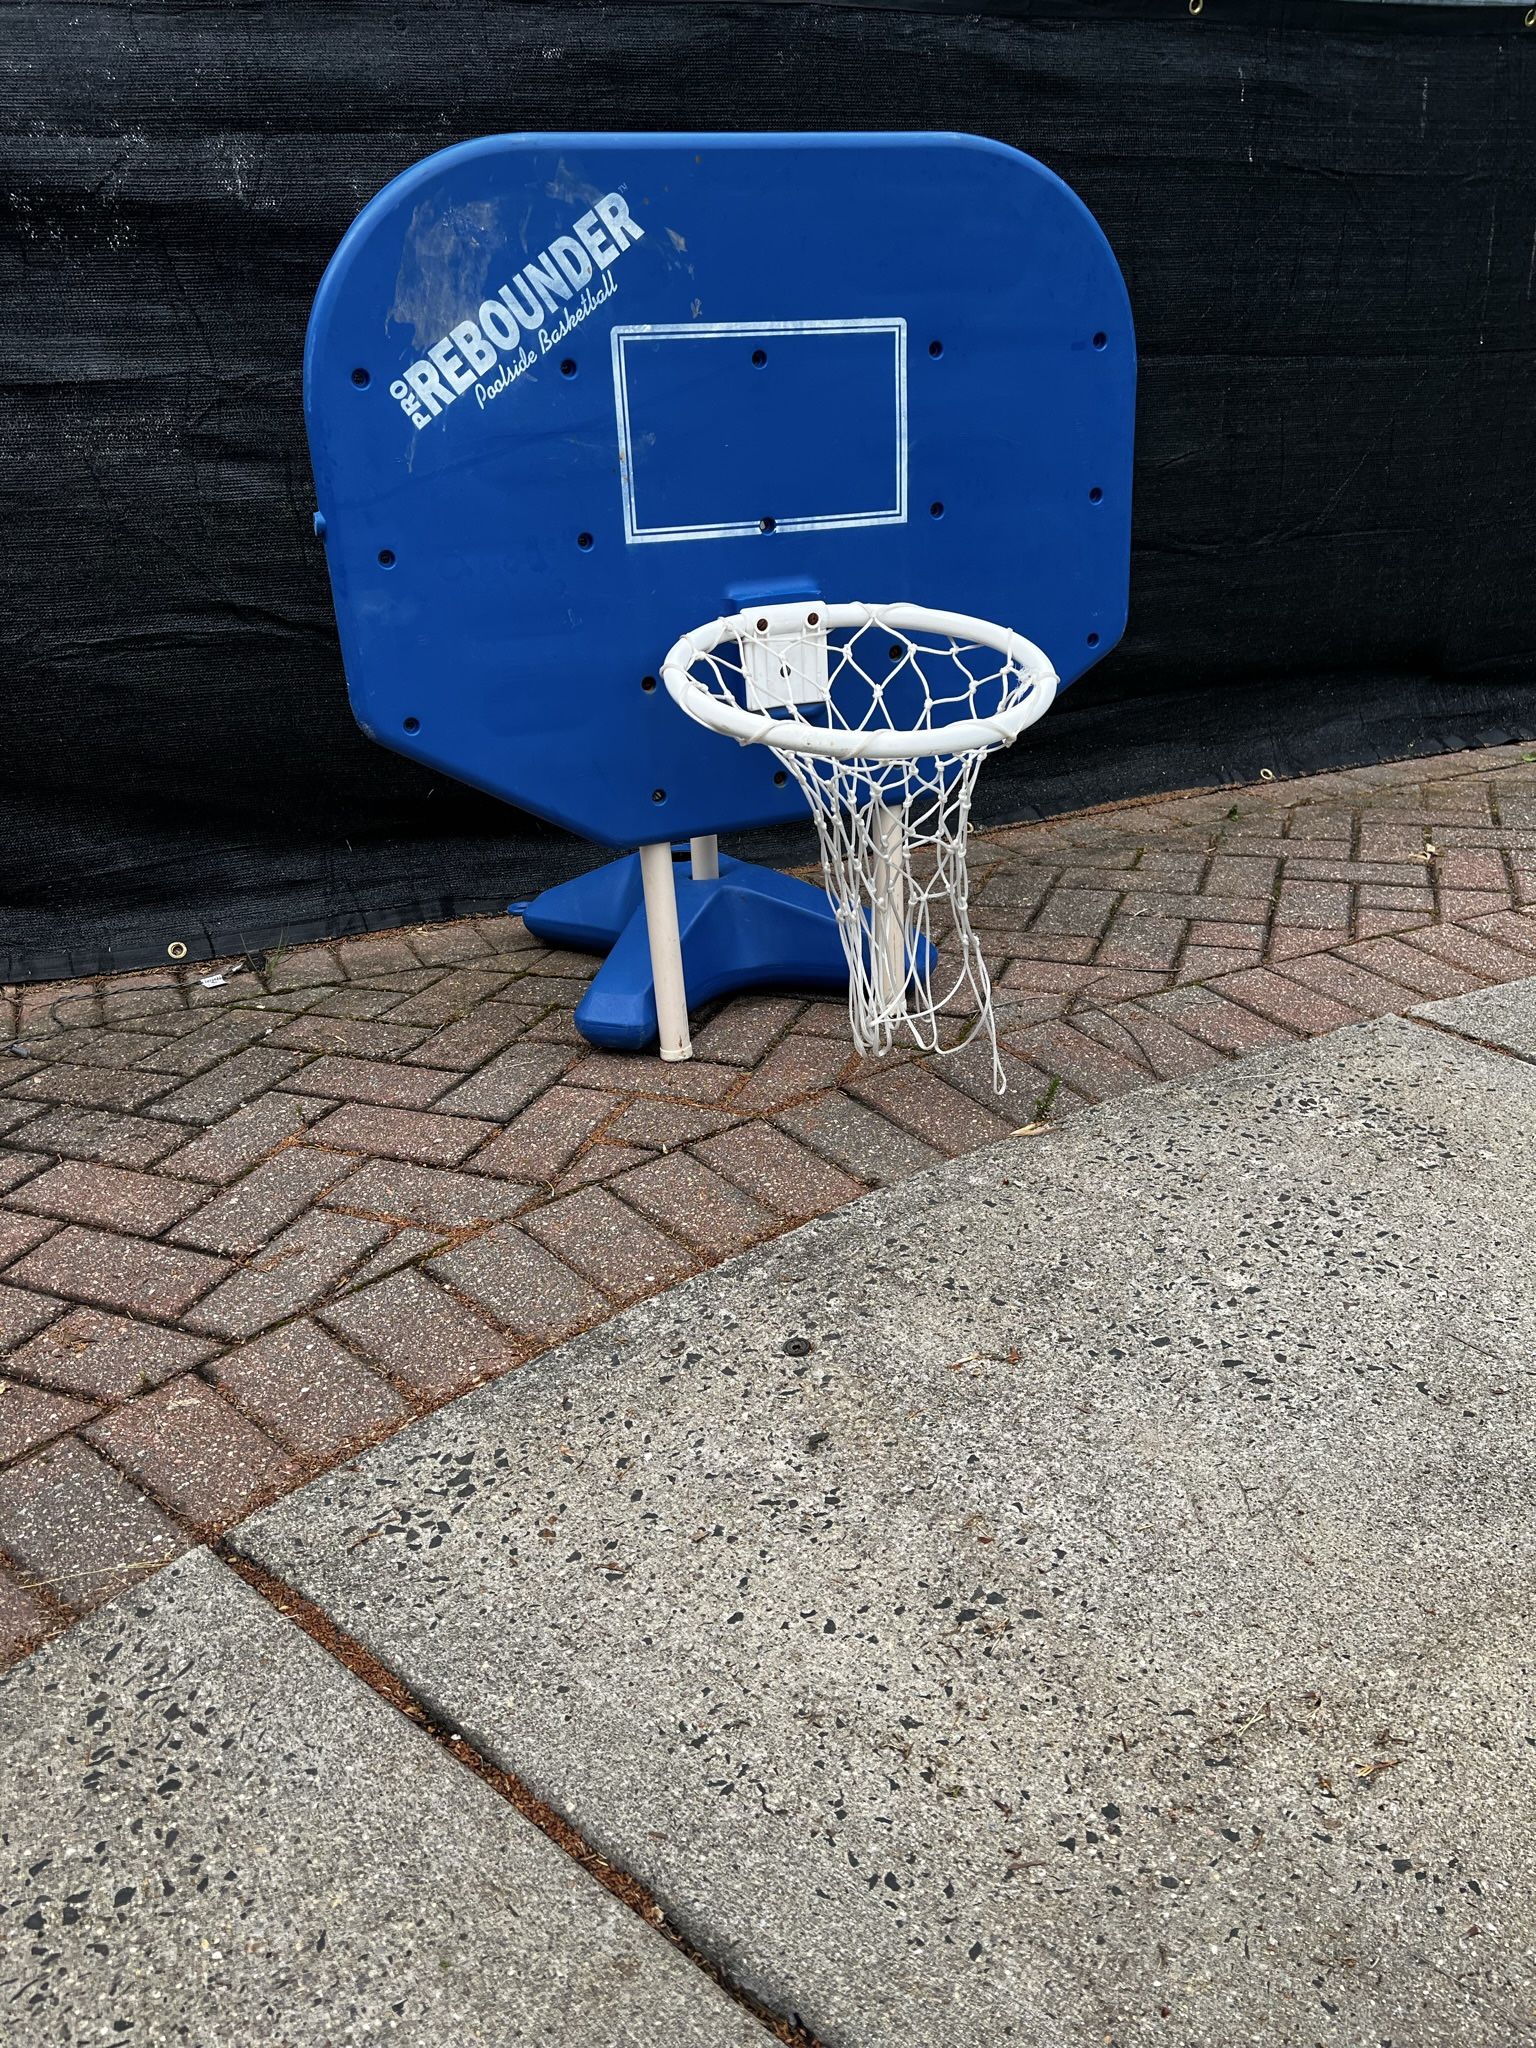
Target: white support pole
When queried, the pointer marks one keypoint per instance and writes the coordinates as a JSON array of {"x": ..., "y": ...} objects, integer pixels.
[
  {"x": 666, "y": 950},
  {"x": 888, "y": 935},
  {"x": 704, "y": 858}
]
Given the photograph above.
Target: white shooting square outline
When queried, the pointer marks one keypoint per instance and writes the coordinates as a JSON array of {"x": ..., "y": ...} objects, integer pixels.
[{"x": 635, "y": 534}]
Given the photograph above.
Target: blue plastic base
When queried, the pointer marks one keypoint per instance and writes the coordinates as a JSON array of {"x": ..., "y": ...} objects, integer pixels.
[{"x": 753, "y": 928}]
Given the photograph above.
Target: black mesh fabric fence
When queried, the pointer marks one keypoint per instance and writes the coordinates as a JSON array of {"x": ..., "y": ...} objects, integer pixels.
[{"x": 1327, "y": 220}]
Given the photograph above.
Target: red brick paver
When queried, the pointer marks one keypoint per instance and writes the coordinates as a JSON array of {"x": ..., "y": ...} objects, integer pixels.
[
  {"x": 431, "y": 1196},
  {"x": 194, "y": 1451},
  {"x": 544, "y": 1138},
  {"x": 24, "y": 1620},
  {"x": 307, "y": 1390},
  {"x": 118, "y": 1272},
  {"x": 244, "y": 1230},
  {"x": 111, "y": 1196},
  {"x": 72, "y": 1526},
  {"x": 777, "y": 1169},
  {"x": 29, "y": 1417},
  {"x": 415, "y": 1135},
  {"x": 616, "y": 1248},
  {"x": 299, "y": 1267},
  {"x": 244, "y": 1217},
  {"x": 430, "y": 1343},
  {"x": 697, "y": 1204},
  {"x": 19, "y": 1234},
  {"x": 522, "y": 1285},
  {"x": 106, "y": 1358}
]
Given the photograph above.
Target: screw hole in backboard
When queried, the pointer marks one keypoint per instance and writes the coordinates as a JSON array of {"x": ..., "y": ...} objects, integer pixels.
[
  {"x": 1093, "y": 639},
  {"x": 583, "y": 540},
  {"x": 779, "y": 778},
  {"x": 568, "y": 367},
  {"x": 936, "y": 509},
  {"x": 647, "y": 683},
  {"x": 1095, "y": 496},
  {"x": 759, "y": 357},
  {"x": 935, "y": 348},
  {"x": 412, "y": 724},
  {"x": 658, "y": 796},
  {"x": 361, "y": 379},
  {"x": 1101, "y": 341},
  {"x": 767, "y": 525},
  {"x": 386, "y": 558}
]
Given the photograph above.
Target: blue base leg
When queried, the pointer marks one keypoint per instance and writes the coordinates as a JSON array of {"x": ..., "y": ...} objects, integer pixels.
[
  {"x": 589, "y": 912},
  {"x": 752, "y": 928}
]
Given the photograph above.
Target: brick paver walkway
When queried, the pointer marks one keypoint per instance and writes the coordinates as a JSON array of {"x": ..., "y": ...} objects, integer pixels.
[{"x": 244, "y": 1229}]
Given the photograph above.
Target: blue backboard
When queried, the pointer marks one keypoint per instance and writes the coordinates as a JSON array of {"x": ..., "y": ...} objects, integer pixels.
[{"x": 569, "y": 396}]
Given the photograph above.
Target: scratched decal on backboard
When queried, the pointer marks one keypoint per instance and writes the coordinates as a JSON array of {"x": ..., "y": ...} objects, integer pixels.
[{"x": 524, "y": 319}]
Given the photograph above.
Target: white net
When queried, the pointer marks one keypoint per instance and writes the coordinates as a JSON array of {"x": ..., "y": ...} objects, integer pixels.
[{"x": 883, "y": 714}]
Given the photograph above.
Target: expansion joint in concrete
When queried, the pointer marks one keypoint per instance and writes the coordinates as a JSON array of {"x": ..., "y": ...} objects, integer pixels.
[{"x": 307, "y": 1615}]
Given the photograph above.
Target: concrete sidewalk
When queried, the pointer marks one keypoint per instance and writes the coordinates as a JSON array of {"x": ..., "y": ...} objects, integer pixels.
[{"x": 1079, "y": 1595}]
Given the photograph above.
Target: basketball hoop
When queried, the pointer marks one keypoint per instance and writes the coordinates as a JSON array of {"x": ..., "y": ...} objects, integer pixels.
[{"x": 883, "y": 713}]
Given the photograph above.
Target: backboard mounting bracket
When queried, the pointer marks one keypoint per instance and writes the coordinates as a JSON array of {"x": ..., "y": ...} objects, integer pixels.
[{"x": 785, "y": 660}]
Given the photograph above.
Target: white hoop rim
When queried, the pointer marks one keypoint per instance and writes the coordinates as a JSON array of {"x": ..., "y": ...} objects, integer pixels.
[{"x": 795, "y": 736}]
